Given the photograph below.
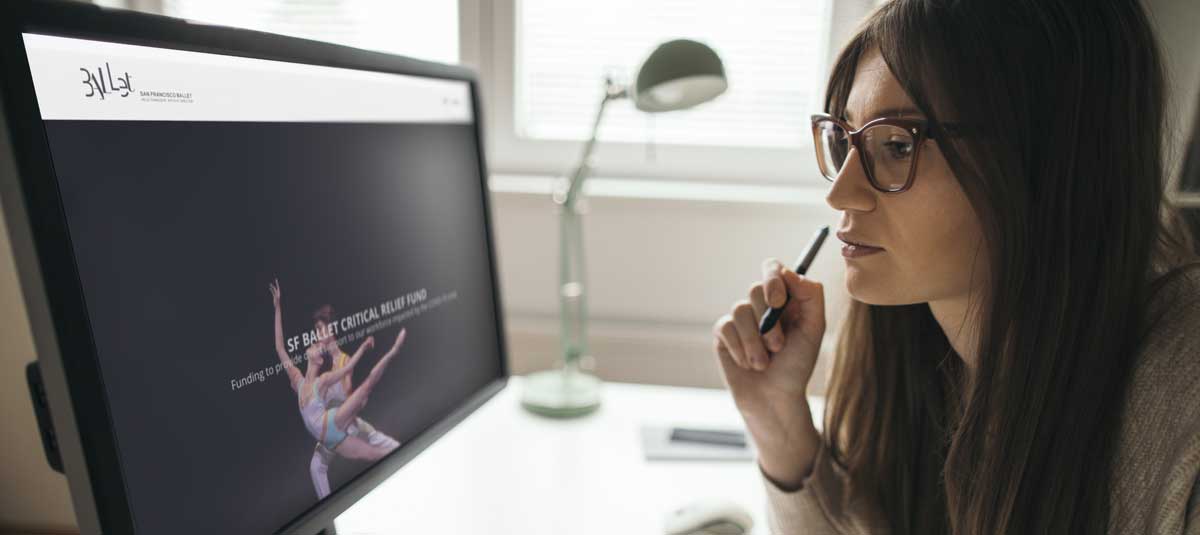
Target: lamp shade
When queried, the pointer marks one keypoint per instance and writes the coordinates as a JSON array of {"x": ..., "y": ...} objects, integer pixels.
[{"x": 679, "y": 74}]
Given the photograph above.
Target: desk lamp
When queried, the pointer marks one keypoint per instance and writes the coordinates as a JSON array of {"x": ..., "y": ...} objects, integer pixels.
[{"x": 677, "y": 75}]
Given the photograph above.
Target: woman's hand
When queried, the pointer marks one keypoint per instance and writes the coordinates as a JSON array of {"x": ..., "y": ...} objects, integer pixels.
[
  {"x": 275, "y": 292},
  {"x": 768, "y": 374},
  {"x": 368, "y": 343}
]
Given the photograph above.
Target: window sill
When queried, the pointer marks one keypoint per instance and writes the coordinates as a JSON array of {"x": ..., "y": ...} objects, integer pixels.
[{"x": 674, "y": 190}]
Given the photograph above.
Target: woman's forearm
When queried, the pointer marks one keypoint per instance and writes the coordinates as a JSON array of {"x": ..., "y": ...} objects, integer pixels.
[{"x": 787, "y": 452}]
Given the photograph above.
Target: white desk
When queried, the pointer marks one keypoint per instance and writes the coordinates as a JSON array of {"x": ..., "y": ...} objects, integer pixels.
[{"x": 506, "y": 471}]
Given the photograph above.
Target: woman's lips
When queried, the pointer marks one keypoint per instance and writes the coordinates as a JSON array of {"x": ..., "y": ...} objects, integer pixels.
[
  {"x": 845, "y": 238},
  {"x": 855, "y": 251},
  {"x": 855, "y": 248}
]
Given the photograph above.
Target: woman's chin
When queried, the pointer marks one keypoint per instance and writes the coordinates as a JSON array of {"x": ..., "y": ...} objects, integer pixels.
[
  {"x": 873, "y": 291},
  {"x": 860, "y": 287}
]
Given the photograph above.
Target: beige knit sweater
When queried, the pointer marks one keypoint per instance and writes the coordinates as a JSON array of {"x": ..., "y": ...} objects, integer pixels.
[{"x": 1156, "y": 488}]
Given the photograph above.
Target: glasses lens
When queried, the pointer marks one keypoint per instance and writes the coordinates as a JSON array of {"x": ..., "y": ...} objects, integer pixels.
[
  {"x": 832, "y": 147},
  {"x": 889, "y": 155}
]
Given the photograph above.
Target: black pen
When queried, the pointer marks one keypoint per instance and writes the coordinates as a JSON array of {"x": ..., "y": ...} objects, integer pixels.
[{"x": 771, "y": 317}]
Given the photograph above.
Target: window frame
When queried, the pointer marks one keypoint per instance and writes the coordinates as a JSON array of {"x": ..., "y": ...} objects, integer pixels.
[{"x": 488, "y": 43}]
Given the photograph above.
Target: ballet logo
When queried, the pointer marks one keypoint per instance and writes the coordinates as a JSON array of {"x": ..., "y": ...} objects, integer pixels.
[{"x": 101, "y": 82}]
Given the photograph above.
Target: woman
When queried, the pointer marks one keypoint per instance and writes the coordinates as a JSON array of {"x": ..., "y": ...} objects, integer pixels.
[
  {"x": 329, "y": 425},
  {"x": 1021, "y": 351}
]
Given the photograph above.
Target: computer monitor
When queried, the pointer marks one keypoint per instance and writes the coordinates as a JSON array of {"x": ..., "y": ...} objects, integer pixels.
[{"x": 259, "y": 269}]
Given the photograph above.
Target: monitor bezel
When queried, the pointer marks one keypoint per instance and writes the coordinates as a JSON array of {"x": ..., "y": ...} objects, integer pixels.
[{"x": 48, "y": 273}]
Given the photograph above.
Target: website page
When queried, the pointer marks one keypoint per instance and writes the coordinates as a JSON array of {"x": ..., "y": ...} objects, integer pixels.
[{"x": 285, "y": 267}]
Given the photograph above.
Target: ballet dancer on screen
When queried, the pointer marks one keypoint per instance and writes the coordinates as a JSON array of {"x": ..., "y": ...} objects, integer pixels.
[
  {"x": 329, "y": 425},
  {"x": 336, "y": 395}
]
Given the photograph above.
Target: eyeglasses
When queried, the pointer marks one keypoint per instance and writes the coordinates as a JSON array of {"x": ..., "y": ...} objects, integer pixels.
[{"x": 888, "y": 148}]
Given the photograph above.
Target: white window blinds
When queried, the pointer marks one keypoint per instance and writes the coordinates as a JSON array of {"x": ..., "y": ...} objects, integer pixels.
[
  {"x": 773, "y": 53},
  {"x": 425, "y": 29}
]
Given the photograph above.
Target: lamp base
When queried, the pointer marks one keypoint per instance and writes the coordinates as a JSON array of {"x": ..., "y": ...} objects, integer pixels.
[{"x": 561, "y": 394}]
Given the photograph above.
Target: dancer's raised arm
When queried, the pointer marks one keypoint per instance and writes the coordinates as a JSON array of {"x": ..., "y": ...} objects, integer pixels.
[
  {"x": 293, "y": 373},
  {"x": 331, "y": 378}
]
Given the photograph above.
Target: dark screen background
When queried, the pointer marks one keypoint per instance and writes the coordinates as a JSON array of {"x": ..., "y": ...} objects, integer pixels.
[{"x": 179, "y": 227}]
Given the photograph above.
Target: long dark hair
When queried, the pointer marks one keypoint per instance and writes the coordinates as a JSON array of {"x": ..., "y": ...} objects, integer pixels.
[{"x": 1063, "y": 163}]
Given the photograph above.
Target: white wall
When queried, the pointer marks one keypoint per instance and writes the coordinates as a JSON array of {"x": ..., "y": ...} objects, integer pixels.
[{"x": 660, "y": 270}]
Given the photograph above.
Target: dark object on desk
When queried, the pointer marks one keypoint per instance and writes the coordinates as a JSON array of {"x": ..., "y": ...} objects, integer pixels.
[
  {"x": 659, "y": 443},
  {"x": 713, "y": 437}
]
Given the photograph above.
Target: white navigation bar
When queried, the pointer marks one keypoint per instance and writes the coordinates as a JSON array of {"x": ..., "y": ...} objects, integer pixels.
[{"x": 78, "y": 79}]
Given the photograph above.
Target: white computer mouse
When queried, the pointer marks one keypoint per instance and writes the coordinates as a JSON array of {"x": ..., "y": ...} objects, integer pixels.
[{"x": 709, "y": 517}]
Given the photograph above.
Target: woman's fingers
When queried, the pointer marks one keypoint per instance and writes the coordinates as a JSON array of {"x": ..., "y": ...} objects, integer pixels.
[
  {"x": 726, "y": 332},
  {"x": 757, "y": 300},
  {"x": 773, "y": 339},
  {"x": 773, "y": 286},
  {"x": 808, "y": 310},
  {"x": 776, "y": 296},
  {"x": 730, "y": 369},
  {"x": 752, "y": 342},
  {"x": 737, "y": 340}
]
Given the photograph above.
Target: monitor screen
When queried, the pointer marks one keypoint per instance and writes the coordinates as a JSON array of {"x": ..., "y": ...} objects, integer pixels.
[{"x": 286, "y": 268}]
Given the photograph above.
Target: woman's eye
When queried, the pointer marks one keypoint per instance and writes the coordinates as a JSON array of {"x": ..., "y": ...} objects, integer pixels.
[{"x": 898, "y": 149}]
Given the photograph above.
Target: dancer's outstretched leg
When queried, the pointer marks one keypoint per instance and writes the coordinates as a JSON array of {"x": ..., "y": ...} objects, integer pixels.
[
  {"x": 374, "y": 437},
  {"x": 348, "y": 412},
  {"x": 356, "y": 448}
]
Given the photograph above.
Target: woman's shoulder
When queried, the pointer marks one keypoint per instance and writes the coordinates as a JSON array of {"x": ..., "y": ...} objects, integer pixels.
[
  {"x": 1171, "y": 325},
  {"x": 1158, "y": 450},
  {"x": 1166, "y": 370}
]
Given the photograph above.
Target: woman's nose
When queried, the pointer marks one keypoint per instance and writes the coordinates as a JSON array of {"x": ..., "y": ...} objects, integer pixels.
[{"x": 851, "y": 190}]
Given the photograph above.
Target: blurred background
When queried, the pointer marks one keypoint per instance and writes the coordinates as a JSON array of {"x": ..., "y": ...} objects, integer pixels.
[{"x": 682, "y": 207}]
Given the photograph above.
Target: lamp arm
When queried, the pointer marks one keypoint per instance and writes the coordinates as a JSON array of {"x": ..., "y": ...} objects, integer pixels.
[{"x": 612, "y": 91}]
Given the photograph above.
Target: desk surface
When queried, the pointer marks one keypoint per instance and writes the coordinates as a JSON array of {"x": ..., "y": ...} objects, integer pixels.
[{"x": 506, "y": 471}]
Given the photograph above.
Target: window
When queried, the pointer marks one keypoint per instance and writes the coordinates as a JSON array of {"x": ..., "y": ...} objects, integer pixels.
[
  {"x": 417, "y": 28},
  {"x": 542, "y": 65},
  {"x": 773, "y": 52}
]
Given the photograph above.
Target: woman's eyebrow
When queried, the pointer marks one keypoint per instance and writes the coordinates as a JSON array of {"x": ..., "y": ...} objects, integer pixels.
[{"x": 884, "y": 112}]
